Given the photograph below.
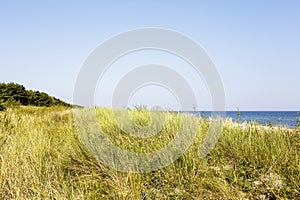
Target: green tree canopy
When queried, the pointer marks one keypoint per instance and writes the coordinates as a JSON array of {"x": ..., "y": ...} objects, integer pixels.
[{"x": 16, "y": 92}]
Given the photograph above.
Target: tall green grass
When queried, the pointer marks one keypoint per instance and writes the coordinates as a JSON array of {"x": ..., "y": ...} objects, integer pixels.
[{"x": 41, "y": 157}]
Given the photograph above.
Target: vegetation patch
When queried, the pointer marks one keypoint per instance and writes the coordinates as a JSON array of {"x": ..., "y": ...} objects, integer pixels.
[
  {"x": 13, "y": 94},
  {"x": 41, "y": 157}
]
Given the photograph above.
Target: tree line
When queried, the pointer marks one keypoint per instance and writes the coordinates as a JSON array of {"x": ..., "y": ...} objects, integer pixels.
[{"x": 16, "y": 94}]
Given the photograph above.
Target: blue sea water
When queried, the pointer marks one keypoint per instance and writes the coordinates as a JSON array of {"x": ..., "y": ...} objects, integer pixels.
[{"x": 284, "y": 118}]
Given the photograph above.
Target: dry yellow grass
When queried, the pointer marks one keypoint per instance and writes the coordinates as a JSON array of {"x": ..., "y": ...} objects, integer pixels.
[{"x": 42, "y": 158}]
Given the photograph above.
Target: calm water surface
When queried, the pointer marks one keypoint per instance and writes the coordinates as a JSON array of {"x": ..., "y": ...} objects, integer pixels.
[{"x": 284, "y": 118}]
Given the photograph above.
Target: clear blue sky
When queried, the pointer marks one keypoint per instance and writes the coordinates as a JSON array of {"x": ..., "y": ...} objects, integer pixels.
[{"x": 254, "y": 44}]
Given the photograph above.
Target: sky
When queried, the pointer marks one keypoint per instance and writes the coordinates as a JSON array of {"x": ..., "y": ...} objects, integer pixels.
[{"x": 255, "y": 46}]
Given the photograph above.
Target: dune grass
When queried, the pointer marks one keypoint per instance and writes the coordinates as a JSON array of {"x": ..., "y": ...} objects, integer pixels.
[{"x": 41, "y": 157}]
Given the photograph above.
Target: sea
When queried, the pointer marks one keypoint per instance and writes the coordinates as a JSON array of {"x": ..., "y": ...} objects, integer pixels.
[{"x": 290, "y": 119}]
